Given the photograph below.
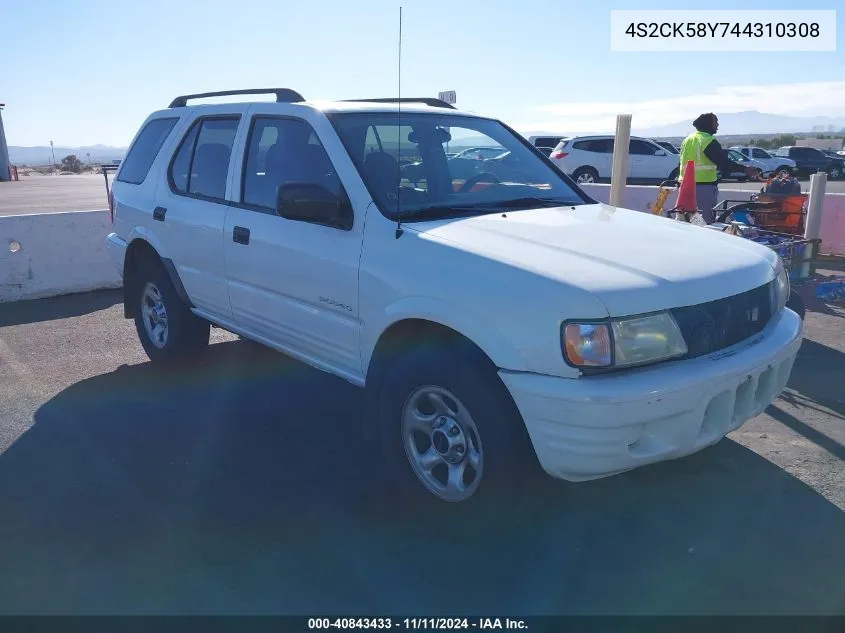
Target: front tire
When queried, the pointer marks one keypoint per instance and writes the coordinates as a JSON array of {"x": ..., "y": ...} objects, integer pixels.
[
  {"x": 835, "y": 173},
  {"x": 168, "y": 330},
  {"x": 449, "y": 429},
  {"x": 796, "y": 303}
]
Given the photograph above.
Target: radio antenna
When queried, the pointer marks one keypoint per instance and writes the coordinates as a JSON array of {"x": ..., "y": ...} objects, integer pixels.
[{"x": 399, "y": 133}]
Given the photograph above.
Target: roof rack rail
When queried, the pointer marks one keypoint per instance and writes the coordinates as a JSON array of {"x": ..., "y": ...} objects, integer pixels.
[
  {"x": 283, "y": 95},
  {"x": 436, "y": 103}
]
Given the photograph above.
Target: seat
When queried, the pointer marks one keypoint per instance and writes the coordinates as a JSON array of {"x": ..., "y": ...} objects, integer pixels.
[
  {"x": 381, "y": 171},
  {"x": 210, "y": 170}
]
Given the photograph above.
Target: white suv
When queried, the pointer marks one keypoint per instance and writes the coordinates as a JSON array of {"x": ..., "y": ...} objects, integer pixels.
[
  {"x": 497, "y": 319},
  {"x": 772, "y": 164},
  {"x": 589, "y": 159}
]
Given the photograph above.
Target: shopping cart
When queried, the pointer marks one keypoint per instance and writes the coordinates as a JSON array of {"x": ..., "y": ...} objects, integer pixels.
[{"x": 772, "y": 219}]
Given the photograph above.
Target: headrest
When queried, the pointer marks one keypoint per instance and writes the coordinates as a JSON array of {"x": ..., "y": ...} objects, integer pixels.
[{"x": 435, "y": 136}]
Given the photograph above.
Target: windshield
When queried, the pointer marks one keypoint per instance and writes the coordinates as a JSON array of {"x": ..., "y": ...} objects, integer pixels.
[{"x": 438, "y": 165}]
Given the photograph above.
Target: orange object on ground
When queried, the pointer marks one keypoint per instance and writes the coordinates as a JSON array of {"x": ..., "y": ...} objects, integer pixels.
[{"x": 686, "y": 196}]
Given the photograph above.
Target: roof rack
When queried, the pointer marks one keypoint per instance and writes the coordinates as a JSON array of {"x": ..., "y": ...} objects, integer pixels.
[
  {"x": 436, "y": 103},
  {"x": 283, "y": 95}
]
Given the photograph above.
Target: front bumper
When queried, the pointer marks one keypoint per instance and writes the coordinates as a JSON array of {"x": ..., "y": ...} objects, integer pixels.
[{"x": 597, "y": 426}]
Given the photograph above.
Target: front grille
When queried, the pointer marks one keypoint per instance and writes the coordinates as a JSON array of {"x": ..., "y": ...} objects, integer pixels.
[{"x": 709, "y": 327}]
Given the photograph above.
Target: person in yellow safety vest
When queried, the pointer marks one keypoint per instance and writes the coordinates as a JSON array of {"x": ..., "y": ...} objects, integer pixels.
[{"x": 710, "y": 158}]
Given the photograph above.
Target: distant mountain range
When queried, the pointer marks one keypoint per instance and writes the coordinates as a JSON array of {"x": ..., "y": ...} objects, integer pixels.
[
  {"x": 36, "y": 156},
  {"x": 748, "y": 123},
  {"x": 753, "y": 122}
]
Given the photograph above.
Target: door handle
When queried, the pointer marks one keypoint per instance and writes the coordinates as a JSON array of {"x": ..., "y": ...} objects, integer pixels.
[
  {"x": 240, "y": 235},
  {"x": 159, "y": 213}
]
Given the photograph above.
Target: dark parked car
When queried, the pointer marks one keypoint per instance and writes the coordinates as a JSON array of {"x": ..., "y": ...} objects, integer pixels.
[
  {"x": 545, "y": 144},
  {"x": 809, "y": 160}
]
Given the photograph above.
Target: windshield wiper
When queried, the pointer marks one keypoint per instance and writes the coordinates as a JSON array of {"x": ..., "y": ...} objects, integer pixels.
[
  {"x": 458, "y": 210},
  {"x": 445, "y": 211},
  {"x": 529, "y": 202}
]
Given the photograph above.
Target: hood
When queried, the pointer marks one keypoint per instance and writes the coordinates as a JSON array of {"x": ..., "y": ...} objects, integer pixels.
[{"x": 634, "y": 262}]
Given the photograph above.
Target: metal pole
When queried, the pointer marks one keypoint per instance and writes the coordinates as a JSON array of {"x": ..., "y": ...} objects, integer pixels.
[
  {"x": 619, "y": 171},
  {"x": 5, "y": 173},
  {"x": 53, "y": 154}
]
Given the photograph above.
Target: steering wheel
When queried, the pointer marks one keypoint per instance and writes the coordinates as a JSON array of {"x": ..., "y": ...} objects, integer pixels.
[{"x": 477, "y": 178}]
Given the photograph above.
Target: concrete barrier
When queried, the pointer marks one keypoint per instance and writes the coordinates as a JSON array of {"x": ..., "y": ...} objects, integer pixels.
[
  {"x": 643, "y": 197},
  {"x": 48, "y": 254}
]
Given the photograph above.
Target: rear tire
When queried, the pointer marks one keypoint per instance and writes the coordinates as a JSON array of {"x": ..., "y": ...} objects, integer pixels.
[
  {"x": 585, "y": 176},
  {"x": 444, "y": 412},
  {"x": 169, "y": 332}
]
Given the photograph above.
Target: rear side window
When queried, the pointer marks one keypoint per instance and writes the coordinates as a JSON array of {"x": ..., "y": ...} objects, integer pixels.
[
  {"x": 201, "y": 164},
  {"x": 599, "y": 145},
  {"x": 144, "y": 150}
]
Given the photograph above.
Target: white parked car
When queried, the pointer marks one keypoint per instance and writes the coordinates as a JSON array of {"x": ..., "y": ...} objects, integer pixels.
[
  {"x": 669, "y": 147},
  {"x": 762, "y": 170},
  {"x": 770, "y": 162},
  {"x": 493, "y": 321},
  {"x": 589, "y": 159}
]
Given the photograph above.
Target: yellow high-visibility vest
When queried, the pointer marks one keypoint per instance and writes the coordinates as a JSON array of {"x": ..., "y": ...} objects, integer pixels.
[{"x": 692, "y": 149}]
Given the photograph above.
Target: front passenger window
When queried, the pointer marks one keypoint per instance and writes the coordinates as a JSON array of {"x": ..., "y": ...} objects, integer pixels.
[
  {"x": 295, "y": 155},
  {"x": 641, "y": 148}
]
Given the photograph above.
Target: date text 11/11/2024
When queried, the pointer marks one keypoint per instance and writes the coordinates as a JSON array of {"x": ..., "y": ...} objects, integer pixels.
[{"x": 417, "y": 624}]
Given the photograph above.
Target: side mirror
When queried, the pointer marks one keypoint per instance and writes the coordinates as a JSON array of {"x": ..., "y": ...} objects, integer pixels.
[
  {"x": 660, "y": 152},
  {"x": 310, "y": 202}
]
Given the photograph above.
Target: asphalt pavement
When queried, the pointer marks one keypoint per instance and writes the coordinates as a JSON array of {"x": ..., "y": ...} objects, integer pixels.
[
  {"x": 45, "y": 194},
  {"x": 240, "y": 485}
]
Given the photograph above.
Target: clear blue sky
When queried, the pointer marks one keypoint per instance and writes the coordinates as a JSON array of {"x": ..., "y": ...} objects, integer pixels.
[{"x": 88, "y": 72}]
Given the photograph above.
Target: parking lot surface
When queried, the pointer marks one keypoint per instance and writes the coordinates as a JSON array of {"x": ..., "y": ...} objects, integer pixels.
[
  {"x": 45, "y": 194},
  {"x": 240, "y": 485}
]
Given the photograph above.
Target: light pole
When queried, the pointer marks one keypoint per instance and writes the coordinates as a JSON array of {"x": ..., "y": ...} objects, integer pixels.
[
  {"x": 4, "y": 150},
  {"x": 53, "y": 154}
]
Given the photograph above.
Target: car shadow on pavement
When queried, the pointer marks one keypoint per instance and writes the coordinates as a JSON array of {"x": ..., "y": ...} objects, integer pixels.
[
  {"x": 241, "y": 486},
  {"x": 817, "y": 378},
  {"x": 54, "y": 308}
]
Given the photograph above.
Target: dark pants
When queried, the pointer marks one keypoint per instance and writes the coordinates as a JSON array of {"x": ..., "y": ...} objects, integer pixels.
[{"x": 706, "y": 197}]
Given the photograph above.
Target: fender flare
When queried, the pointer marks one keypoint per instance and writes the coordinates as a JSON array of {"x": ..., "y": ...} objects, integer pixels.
[
  {"x": 142, "y": 235},
  {"x": 479, "y": 330}
]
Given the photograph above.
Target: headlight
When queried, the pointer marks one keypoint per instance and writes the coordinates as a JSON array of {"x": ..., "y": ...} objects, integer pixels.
[
  {"x": 780, "y": 288},
  {"x": 623, "y": 342}
]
